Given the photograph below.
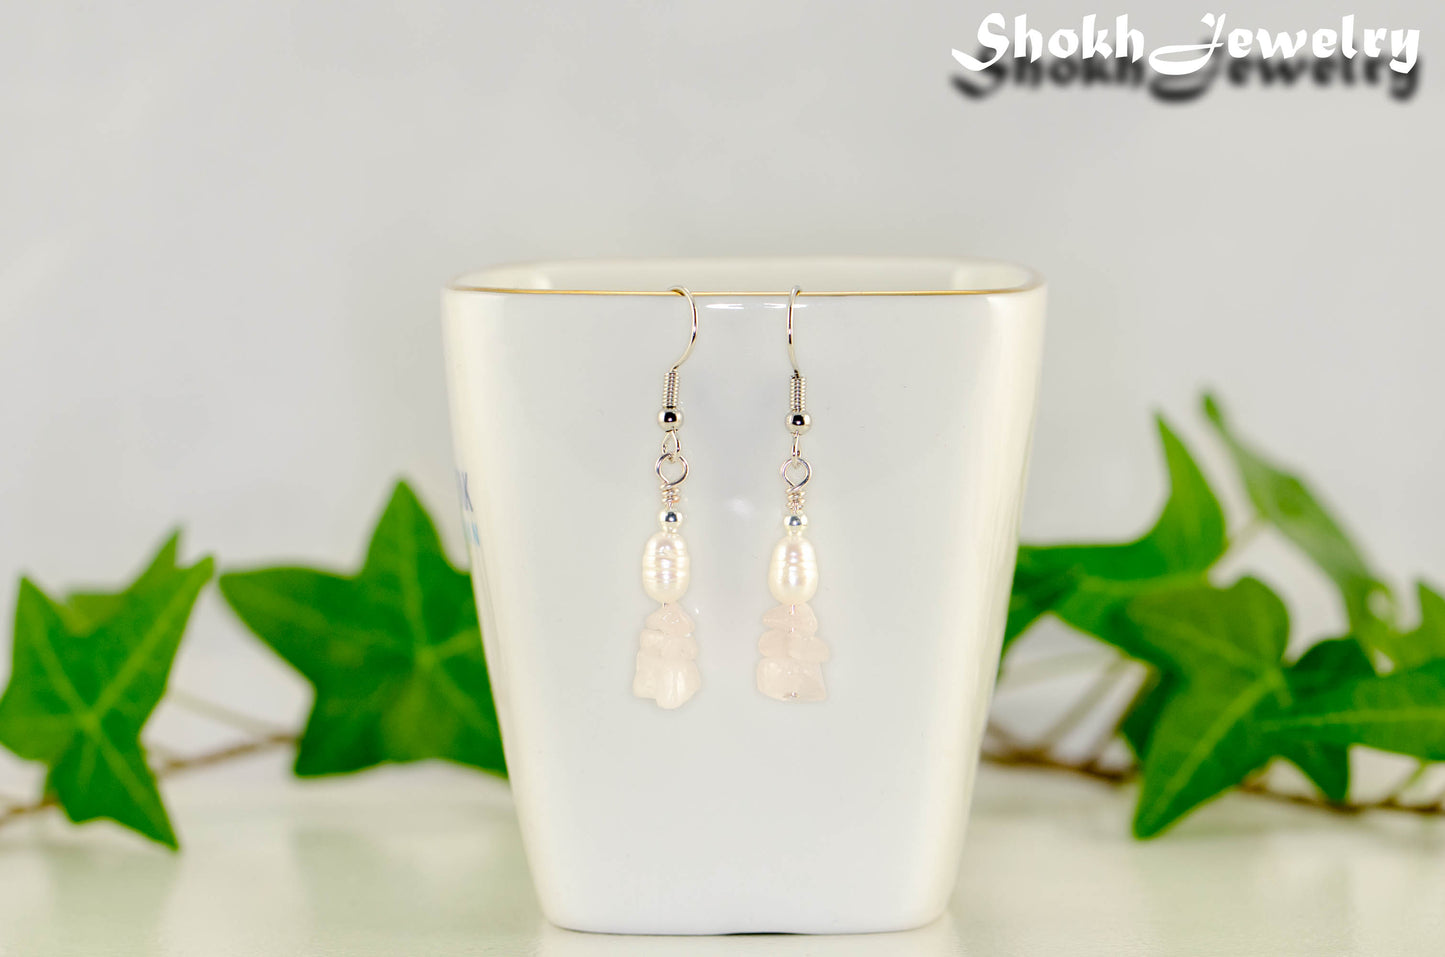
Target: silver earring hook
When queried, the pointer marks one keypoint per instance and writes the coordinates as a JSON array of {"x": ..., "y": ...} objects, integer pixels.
[
  {"x": 792, "y": 353},
  {"x": 684, "y": 291}
]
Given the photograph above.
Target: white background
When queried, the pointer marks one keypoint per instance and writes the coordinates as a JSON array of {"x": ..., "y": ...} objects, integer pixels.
[{"x": 224, "y": 229}]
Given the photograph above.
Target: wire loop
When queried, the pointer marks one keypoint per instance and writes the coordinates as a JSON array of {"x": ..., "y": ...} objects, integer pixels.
[
  {"x": 675, "y": 463},
  {"x": 790, "y": 468}
]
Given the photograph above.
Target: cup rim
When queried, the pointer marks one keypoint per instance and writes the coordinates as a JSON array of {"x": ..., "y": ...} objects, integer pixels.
[{"x": 475, "y": 281}]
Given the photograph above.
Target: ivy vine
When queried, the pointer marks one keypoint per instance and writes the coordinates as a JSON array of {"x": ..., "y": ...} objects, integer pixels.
[{"x": 394, "y": 654}]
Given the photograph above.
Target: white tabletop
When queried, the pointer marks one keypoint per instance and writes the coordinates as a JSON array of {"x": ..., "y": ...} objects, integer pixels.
[{"x": 428, "y": 861}]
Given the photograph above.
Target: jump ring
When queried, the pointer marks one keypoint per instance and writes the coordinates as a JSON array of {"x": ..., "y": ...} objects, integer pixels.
[
  {"x": 670, "y": 458},
  {"x": 795, "y": 462}
]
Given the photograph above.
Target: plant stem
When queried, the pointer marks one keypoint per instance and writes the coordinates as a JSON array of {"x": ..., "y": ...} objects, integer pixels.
[
  {"x": 23, "y": 810},
  {"x": 1054, "y": 666},
  {"x": 1095, "y": 753},
  {"x": 1246, "y": 533},
  {"x": 1103, "y": 685},
  {"x": 1015, "y": 752},
  {"x": 1007, "y": 738},
  {"x": 1094, "y": 770},
  {"x": 159, "y": 752},
  {"x": 1409, "y": 781},
  {"x": 171, "y": 766},
  {"x": 268, "y": 742},
  {"x": 222, "y": 714},
  {"x": 1044, "y": 761}
]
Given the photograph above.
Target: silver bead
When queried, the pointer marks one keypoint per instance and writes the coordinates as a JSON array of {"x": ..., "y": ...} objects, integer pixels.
[
  {"x": 670, "y": 519},
  {"x": 795, "y": 520},
  {"x": 670, "y": 419},
  {"x": 799, "y": 422}
]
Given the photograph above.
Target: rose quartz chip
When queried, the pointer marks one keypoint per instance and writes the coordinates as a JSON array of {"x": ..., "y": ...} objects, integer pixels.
[
  {"x": 789, "y": 680},
  {"x": 678, "y": 649},
  {"x": 644, "y": 681},
  {"x": 798, "y": 618},
  {"x": 666, "y": 658},
  {"x": 671, "y": 620},
  {"x": 808, "y": 648},
  {"x": 774, "y": 644},
  {"x": 676, "y": 683},
  {"x": 792, "y": 655}
]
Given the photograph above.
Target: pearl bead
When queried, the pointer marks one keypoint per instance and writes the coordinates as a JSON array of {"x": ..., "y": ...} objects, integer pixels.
[
  {"x": 793, "y": 572},
  {"x": 666, "y": 568}
]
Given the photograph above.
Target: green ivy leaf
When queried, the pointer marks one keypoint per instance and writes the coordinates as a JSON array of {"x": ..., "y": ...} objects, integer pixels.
[
  {"x": 1091, "y": 586},
  {"x": 1403, "y": 711},
  {"x": 1324, "y": 665},
  {"x": 1086, "y": 585},
  {"x": 1220, "y": 701},
  {"x": 1427, "y": 642},
  {"x": 86, "y": 675},
  {"x": 1224, "y": 646},
  {"x": 1223, "y": 650},
  {"x": 1143, "y": 713},
  {"x": 1207, "y": 740},
  {"x": 87, "y": 609},
  {"x": 1188, "y": 536},
  {"x": 1194, "y": 630},
  {"x": 1037, "y": 587},
  {"x": 394, "y": 651},
  {"x": 1287, "y": 503}
]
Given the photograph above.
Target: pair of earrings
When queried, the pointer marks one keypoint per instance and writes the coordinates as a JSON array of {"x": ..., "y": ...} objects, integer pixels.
[{"x": 790, "y": 666}]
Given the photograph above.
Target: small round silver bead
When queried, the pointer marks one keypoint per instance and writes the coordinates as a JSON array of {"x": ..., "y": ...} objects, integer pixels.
[
  {"x": 799, "y": 422},
  {"x": 670, "y": 419},
  {"x": 670, "y": 519},
  {"x": 795, "y": 520}
]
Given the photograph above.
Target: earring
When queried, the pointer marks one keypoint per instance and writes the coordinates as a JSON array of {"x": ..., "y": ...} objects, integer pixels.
[
  {"x": 791, "y": 668},
  {"x": 667, "y": 653}
]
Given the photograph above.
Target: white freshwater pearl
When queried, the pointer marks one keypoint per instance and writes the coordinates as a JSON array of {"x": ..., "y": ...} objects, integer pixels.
[
  {"x": 793, "y": 572},
  {"x": 666, "y": 568}
]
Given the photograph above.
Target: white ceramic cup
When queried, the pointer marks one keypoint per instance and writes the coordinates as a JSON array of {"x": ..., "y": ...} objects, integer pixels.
[{"x": 737, "y": 812}]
